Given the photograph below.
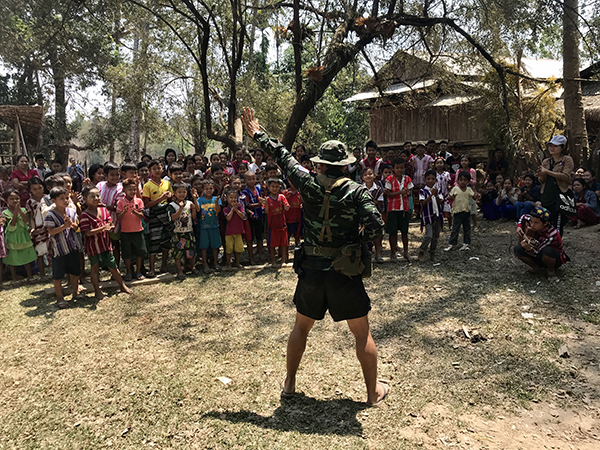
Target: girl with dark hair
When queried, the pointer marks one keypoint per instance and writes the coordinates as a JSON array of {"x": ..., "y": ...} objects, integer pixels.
[
  {"x": 18, "y": 242},
  {"x": 527, "y": 195},
  {"x": 588, "y": 210},
  {"x": 95, "y": 175}
]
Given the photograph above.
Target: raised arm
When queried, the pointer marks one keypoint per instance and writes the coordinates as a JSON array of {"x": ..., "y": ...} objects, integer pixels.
[{"x": 298, "y": 175}]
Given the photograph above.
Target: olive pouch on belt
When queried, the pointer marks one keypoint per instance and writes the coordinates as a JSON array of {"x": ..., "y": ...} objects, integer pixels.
[
  {"x": 367, "y": 259},
  {"x": 349, "y": 262},
  {"x": 299, "y": 255}
]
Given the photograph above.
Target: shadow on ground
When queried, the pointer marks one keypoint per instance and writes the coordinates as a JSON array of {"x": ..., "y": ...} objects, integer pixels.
[{"x": 305, "y": 415}]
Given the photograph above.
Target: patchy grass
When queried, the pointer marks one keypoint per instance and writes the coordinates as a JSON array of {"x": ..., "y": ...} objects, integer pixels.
[{"x": 141, "y": 371}]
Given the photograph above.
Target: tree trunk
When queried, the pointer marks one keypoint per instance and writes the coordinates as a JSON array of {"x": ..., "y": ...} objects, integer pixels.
[
  {"x": 60, "y": 112},
  {"x": 113, "y": 109},
  {"x": 574, "y": 115},
  {"x": 134, "y": 136}
]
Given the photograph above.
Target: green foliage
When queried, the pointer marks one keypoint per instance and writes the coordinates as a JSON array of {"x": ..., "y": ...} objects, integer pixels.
[{"x": 534, "y": 115}]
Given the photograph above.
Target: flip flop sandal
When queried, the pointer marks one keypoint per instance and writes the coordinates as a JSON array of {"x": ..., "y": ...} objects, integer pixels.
[
  {"x": 286, "y": 395},
  {"x": 139, "y": 276},
  {"x": 377, "y": 404},
  {"x": 63, "y": 304}
]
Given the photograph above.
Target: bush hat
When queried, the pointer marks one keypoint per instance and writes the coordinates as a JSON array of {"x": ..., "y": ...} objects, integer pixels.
[{"x": 333, "y": 153}]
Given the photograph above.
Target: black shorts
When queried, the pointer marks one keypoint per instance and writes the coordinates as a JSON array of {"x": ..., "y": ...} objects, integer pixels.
[
  {"x": 551, "y": 252},
  {"x": 62, "y": 265},
  {"x": 257, "y": 226},
  {"x": 133, "y": 245},
  {"x": 321, "y": 290}
]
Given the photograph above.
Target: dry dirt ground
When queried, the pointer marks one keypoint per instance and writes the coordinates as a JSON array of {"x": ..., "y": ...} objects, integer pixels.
[{"x": 142, "y": 371}]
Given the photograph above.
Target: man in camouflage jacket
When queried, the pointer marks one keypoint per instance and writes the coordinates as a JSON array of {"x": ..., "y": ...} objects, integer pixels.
[{"x": 337, "y": 212}]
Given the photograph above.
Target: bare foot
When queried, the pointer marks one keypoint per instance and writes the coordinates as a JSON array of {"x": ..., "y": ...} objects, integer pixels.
[
  {"x": 100, "y": 296},
  {"x": 552, "y": 276},
  {"x": 288, "y": 387},
  {"x": 382, "y": 390},
  {"x": 534, "y": 270},
  {"x": 406, "y": 256},
  {"x": 126, "y": 290}
]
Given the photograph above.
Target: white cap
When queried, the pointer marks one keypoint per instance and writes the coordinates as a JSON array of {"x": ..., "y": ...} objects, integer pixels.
[{"x": 559, "y": 139}]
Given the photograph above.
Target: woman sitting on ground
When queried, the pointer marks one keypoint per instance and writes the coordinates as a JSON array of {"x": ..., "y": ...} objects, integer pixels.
[
  {"x": 588, "y": 210},
  {"x": 540, "y": 244},
  {"x": 507, "y": 197},
  {"x": 488, "y": 202},
  {"x": 527, "y": 195}
]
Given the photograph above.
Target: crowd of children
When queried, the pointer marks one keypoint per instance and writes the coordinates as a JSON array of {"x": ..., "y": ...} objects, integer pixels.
[
  {"x": 182, "y": 210},
  {"x": 187, "y": 209}
]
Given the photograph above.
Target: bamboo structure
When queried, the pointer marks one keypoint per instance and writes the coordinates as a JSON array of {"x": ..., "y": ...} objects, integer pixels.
[{"x": 26, "y": 121}]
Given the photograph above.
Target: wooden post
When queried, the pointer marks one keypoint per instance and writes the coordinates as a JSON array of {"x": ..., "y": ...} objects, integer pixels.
[{"x": 17, "y": 148}]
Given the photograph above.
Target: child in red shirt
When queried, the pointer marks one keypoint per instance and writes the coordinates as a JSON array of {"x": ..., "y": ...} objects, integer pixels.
[
  {"x": 96, "y": 223},
  {"x": 275, "y": 206},
  {"x": 235, "y": 216},
  {"x": 293, "y": 216}
]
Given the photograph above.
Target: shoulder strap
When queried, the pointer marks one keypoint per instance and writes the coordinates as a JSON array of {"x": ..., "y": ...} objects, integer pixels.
[{"x": 329, "y": 184}]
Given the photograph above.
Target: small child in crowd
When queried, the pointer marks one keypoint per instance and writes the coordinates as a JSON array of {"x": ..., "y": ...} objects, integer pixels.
[
  {"x": 155, "y": 194},
  {"x": 398, "y": 188},
  {"x": 254, "y": 193},
  {"x": 96, "y": 222},
  {"x": 130, "y": 212},
  {"x": 235, "y": 215},
  {"x": 183, "y": 215},
  {"x": 36, "y": 211},
  {"x": 111, "y": 190},
  {"x": 461, "y": 211},
  {"x": 444, "y": 180},
  {"x": 376, "y": 192},
  {"x": 432, "y": 216},
  {"x": 465, "y": 166},
  {"x": 17, "y": 240},
  {"x": 386, "y": 171},
  {"x": 275, "y": 207},
  {"x": 61, "y": 222},
  {"x": 236, "y": 184},
  {"x": 293, "y": 216},
  {"x": 208, "y": 225}
]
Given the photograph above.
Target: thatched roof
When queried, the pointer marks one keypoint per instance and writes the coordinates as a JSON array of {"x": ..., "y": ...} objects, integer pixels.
[{"x": 30, "y": 118}]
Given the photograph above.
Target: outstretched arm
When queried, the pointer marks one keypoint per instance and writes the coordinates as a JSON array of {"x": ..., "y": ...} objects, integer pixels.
[{"x": 298, "y": 175}]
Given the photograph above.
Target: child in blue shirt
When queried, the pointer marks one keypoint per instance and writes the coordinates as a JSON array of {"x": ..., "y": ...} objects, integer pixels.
[{"x": 208, "y": 225}]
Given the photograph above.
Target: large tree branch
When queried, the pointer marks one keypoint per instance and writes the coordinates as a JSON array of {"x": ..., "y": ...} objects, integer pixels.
[{"x": 297, "y": 46}]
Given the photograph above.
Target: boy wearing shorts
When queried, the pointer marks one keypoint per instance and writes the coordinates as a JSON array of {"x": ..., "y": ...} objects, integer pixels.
[
  {"x": 397, "y": 188},
  {"x": 130, "y": 212},
  {"x": 61, "y": 223},
  {"x": 96, "y": 224}
]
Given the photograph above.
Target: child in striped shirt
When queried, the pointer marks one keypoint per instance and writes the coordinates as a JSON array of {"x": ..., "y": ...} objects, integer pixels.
[
  {"x": 96, "y": 223},
  {"x": 61, "y": 222}
]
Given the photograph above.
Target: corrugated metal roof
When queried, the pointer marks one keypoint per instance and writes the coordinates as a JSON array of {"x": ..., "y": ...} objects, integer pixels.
[
  {"x": 452, "y": 100},
  {"x": 392, "y": 89}
]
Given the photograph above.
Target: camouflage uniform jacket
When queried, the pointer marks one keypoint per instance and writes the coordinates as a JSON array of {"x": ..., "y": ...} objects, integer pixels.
[{"x": 351, "y": 205}]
